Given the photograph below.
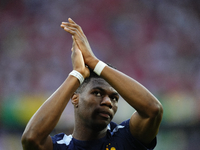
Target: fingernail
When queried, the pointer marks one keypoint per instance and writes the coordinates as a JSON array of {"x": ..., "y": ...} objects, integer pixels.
[{"x": 70, "y": 19}]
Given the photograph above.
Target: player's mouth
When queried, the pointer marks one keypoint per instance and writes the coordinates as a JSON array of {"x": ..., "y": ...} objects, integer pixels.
[{"x": 105, "y": 114}]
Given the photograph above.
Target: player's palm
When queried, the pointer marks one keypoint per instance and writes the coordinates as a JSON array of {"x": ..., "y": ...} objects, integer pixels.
[{"x": 78, "y": 61}]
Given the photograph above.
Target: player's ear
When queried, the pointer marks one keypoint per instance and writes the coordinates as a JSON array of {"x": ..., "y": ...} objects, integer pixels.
[{"x": 75, "y": 100}]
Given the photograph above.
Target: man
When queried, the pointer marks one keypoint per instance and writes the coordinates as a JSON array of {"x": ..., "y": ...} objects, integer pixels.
[{"x": 95, "y": 103}]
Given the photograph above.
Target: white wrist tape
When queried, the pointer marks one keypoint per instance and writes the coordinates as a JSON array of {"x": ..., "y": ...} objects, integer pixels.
[
  {"x": 99, "y": 67},
  {"x": 77, "y": 75}
]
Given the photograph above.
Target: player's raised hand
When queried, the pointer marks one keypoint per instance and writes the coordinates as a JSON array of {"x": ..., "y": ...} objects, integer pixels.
[
  {"x": 76, "y": 31},
  {"x": 78, "y": 61}
]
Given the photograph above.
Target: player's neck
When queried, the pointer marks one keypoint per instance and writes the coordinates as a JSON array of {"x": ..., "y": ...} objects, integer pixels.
[{"x": 87, "y": 134}]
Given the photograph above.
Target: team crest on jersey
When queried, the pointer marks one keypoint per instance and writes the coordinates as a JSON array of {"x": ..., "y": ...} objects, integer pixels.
[{"x": 108, "y": 147}]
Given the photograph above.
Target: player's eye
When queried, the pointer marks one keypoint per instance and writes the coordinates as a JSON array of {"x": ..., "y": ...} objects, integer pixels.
[
  {"x": 98, "y": 94},
  {"x": 114, "y": 99}
]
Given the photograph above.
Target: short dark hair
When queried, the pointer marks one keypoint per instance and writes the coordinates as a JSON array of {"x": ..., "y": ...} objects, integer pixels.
[{"x": 87, "y": 80}]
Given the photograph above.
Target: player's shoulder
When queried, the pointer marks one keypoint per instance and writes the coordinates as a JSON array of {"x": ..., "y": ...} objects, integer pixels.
[
  {"x": 116, "y": 128},
  {"x": 61, "y": 141},
  {"x": 113, "y": 125}
]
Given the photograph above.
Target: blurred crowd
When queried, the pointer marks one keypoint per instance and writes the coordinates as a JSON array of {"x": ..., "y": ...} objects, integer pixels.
[{"x": 155, "y": 42}]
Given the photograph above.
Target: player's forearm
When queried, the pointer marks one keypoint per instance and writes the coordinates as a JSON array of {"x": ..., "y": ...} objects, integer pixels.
[
  {"x": 47, "y": 116},
  {"x": 133, "y": 92}
]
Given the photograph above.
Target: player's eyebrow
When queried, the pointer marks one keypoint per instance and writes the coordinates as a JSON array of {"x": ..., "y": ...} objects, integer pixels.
[{"x": 104, "y": 90}]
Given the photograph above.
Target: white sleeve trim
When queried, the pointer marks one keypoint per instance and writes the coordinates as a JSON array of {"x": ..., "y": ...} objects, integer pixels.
[{"x": 66, "y": 140}]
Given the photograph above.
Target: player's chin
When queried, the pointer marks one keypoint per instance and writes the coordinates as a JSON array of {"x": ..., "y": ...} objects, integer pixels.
[{"x": 101, "y": 124}]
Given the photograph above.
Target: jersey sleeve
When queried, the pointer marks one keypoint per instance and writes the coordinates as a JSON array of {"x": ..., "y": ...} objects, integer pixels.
[{"x": 60, "y": 141}]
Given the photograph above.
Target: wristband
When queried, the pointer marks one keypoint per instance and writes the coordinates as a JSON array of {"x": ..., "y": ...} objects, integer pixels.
[
  {"x": 78, "y": 75},
  {"x": 99, "y": 67}
]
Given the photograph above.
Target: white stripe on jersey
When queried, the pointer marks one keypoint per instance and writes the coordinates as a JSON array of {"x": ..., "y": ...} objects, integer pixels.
[{"x": 66, "y": 140}]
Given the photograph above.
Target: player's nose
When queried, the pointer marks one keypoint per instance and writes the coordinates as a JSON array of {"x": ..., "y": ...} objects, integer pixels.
[{"x": 106, "y": 101}]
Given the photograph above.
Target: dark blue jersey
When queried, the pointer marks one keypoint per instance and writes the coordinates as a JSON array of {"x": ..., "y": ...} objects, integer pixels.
[{"x": 118, "y": 137}]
